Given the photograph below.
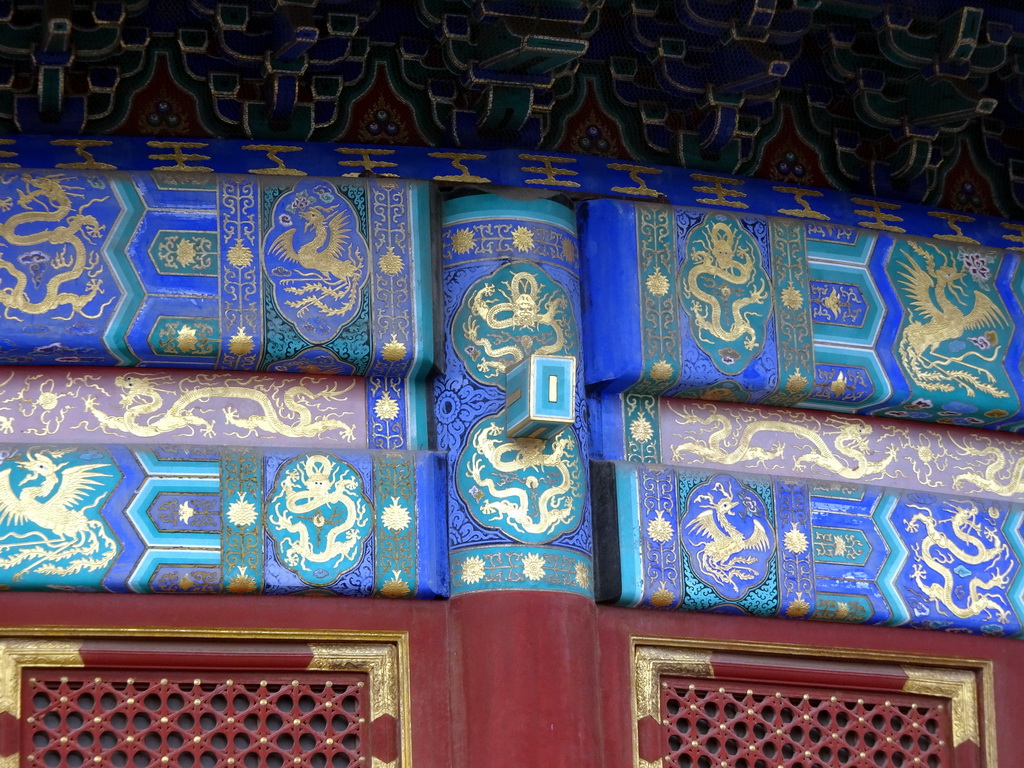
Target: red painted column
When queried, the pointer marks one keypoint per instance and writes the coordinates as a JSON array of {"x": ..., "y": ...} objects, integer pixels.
[{"x": 525, "y": 680}]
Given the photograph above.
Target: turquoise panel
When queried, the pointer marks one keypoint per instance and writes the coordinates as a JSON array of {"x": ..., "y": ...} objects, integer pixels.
[
  {"x": 705, "y": 540},
  {"x": 264, "y": 521}
]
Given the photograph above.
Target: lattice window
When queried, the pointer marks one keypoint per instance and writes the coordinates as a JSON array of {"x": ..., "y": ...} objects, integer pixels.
[
  {"x": 762, "y": 727},
  {"x": 267, "y": 703},
  {"x": 192, "y": 720},
  {"x": 744, "y": 706}
]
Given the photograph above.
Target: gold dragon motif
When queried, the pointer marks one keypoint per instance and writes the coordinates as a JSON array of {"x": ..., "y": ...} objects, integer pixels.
[
  {"x": 330, "y": 254},
  {"x": 722, "y": 259},
  {"x": 53, "y": 195},
  {"x": 521, "y": 310},
  {"x": 940, "y": 551},
  {"x": 989, "y": 481},
  {"x": 143, "y": 400},
  {"x": 934, "y": 294},
  {"x": 306, "y": 494},
  {"x": 846, "y": 453},
  {"x": 513, "y": 502},
  {"x": 55, "y": 504}
]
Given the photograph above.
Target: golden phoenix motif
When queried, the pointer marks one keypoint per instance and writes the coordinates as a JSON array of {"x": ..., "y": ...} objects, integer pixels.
[
  {"x": 56, "y": 505},
  {"x": 938, "y": 300},
  {"x": 331, "y": 253}
]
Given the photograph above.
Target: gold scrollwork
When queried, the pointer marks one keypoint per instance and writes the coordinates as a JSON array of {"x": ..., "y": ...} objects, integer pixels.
[
  {"x": 180, "y": 159},
  {"x": 272, "y": 151},
  {"x": 16, "y": 654},
  {"x": 548, "y": 171},
  {"x": 800, "y": 196},
  {"x": 722, "y": 195},
  {"x": 458, "y": 161},
  {"x": 960, "y": 687},
  {"x": 634, "y": 171}
]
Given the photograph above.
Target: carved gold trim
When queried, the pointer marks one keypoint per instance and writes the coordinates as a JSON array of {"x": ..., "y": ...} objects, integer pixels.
[
  {"x": 388, "y": 669},
  {"x": 960, "y": 680},
  {"x": 16, "y": 654},
  {"x": 650, "y": 664},
  {"x": 957, "y": 685},
  {"x": 382, "y": 656}
]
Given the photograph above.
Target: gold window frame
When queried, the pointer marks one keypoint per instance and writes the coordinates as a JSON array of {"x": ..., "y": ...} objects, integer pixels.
[
  {"x": 966, "y": 684},
  {"x": 382, "y": 656}
]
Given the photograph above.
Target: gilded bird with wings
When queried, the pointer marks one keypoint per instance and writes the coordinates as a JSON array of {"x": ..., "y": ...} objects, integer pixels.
[
  {"x": 334, "y": 255},
  {"x": 66, "y": 540},
  {"x": 938, "y": 300},
  {"x": 723, "y": 552}
]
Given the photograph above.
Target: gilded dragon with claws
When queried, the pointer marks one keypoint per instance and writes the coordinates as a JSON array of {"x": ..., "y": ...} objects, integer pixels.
[
  {"x": 723, "y": 282},
  {"x": 145, "y": 414},
  {"x": 997, "y": 462},
  {"x": 330, "y": 505},
  {"x": 528, "y": 504},
  {"x": 48, "y": 200},
  {"x": 510, "y": 321},
  {"x": 967, "y": 543},
  {"x": 846, "y": 456}
]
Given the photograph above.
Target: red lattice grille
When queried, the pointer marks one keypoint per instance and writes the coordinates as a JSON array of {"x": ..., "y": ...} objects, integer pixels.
[
  {"x": 190, "y": 720},
  {"x": 736, "y": 727}
]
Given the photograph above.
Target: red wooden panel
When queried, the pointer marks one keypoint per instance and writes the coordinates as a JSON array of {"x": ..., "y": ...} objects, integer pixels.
[
  {"x": 74, "y": 717},
  {"x": 708, "y": 722}
]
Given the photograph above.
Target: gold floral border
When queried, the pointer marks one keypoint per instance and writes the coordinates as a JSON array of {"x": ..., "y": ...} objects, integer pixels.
[
  {"x": 382, "y": 656},
  {"x": 963, "y": 682}
]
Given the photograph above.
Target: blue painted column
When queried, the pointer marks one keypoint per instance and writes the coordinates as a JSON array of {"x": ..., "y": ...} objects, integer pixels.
[
  {"x": 519, "y": 516},
  {"x": 519, "y": 522}
]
